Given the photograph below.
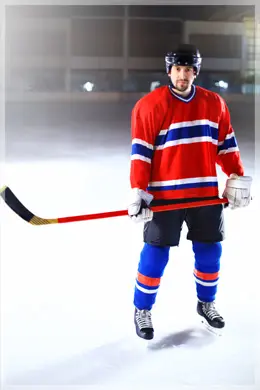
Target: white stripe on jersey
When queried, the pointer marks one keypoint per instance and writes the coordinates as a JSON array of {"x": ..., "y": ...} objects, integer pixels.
[
  {"x": 186, "y": 141},
  {"x": 140, "y": 157},
  {"x": 229, "y": 150},
  {"x": 141, "y": 142},
  {"x": 199, "y": 122},
  {"x": 229, "y": 136},
  {"x": 183, "y": 181}
]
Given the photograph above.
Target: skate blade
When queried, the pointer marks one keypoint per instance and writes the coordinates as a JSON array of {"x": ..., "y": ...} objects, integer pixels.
[
  {"x": 215, "y": 331},
  {"x": 141, "y": 344}
]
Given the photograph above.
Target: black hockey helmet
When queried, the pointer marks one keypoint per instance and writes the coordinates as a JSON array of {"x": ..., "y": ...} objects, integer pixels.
[{"x": 184, "y": 55}]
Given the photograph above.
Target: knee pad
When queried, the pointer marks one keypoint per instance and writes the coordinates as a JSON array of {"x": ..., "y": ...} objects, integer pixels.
[
  {"x": 210, "y": 249},
  {"x": 207, "y": 254},
  {"x": 153, "y": 260}
]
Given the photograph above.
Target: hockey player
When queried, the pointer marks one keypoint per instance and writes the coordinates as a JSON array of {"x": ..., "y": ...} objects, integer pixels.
[{"x": 179, "y": 133}]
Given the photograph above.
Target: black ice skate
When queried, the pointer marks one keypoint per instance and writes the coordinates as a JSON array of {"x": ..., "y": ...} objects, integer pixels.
[
  {"x": 143, "y": 324},
  {"x": 213, "y": 319}
]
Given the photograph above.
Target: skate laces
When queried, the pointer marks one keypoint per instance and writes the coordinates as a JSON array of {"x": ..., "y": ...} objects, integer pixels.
[
  {"x": 144, "y": 319},
  {"x": 210, "y": 310}
]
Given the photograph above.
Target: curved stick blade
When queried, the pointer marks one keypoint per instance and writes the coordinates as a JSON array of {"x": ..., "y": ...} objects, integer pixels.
[{"x": 13, "y": 202}]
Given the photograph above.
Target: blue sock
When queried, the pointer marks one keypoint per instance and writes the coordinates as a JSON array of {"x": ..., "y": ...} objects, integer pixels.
[
  {"x": 206, "y": 272},
  {"x": 153, "y": 260}
]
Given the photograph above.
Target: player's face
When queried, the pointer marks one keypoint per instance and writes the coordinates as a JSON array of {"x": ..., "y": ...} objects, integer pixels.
[{"x": 182, "y": 77}]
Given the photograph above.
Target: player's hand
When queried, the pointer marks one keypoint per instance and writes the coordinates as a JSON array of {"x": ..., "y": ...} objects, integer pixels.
[
  {"x": 138, "y": 209},
  {"x": 238, "y": 191}
]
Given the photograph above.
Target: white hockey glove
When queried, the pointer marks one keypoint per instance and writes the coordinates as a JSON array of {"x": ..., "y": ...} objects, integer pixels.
[
  {"x": 137, "y": 209},
  {"x": 238, "y": 191}
]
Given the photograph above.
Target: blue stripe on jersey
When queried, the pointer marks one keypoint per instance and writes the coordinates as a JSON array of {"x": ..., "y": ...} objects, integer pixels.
[
  {"x": 228, "y": 143},
  {"x": 142, "y": 150},
  {"x": 183, "y": 186},
  {"x": 147, "y": 287},
  {"x": 187, "y": 132}
]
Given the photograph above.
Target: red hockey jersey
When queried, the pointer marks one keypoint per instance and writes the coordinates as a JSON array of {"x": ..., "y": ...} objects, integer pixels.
[{"x": 177, "y": 142}]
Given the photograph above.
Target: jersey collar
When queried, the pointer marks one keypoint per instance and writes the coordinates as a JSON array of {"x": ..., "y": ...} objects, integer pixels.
[{"x": 185, "y": 99}]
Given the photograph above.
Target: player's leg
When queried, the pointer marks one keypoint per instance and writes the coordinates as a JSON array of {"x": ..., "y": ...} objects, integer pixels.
[
  {"x": 159, "y": 235},
  {"x": 153, "y": 260},
  {"x": 206, "y": 231}
]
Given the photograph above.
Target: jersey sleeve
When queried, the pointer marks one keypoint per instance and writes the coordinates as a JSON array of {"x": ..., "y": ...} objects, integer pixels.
[
  {"x": 228, "y": 157},
  {"x": 143, "y": 134}
]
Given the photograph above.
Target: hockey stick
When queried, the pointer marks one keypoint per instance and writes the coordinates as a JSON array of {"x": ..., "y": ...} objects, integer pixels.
[{"x": 13, "y": 202}]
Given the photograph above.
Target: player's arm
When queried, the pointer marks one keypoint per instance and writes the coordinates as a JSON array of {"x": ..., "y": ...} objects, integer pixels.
[
  {"x": 142, "y": 136},
  {"x": 238, "y": 186},
  {"x": 228, "y": 156},
  {"x": 143, "y": 133}
]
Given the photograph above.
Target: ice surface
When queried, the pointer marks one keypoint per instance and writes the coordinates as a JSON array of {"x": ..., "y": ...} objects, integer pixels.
[{"x": 67, "y": 290}]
